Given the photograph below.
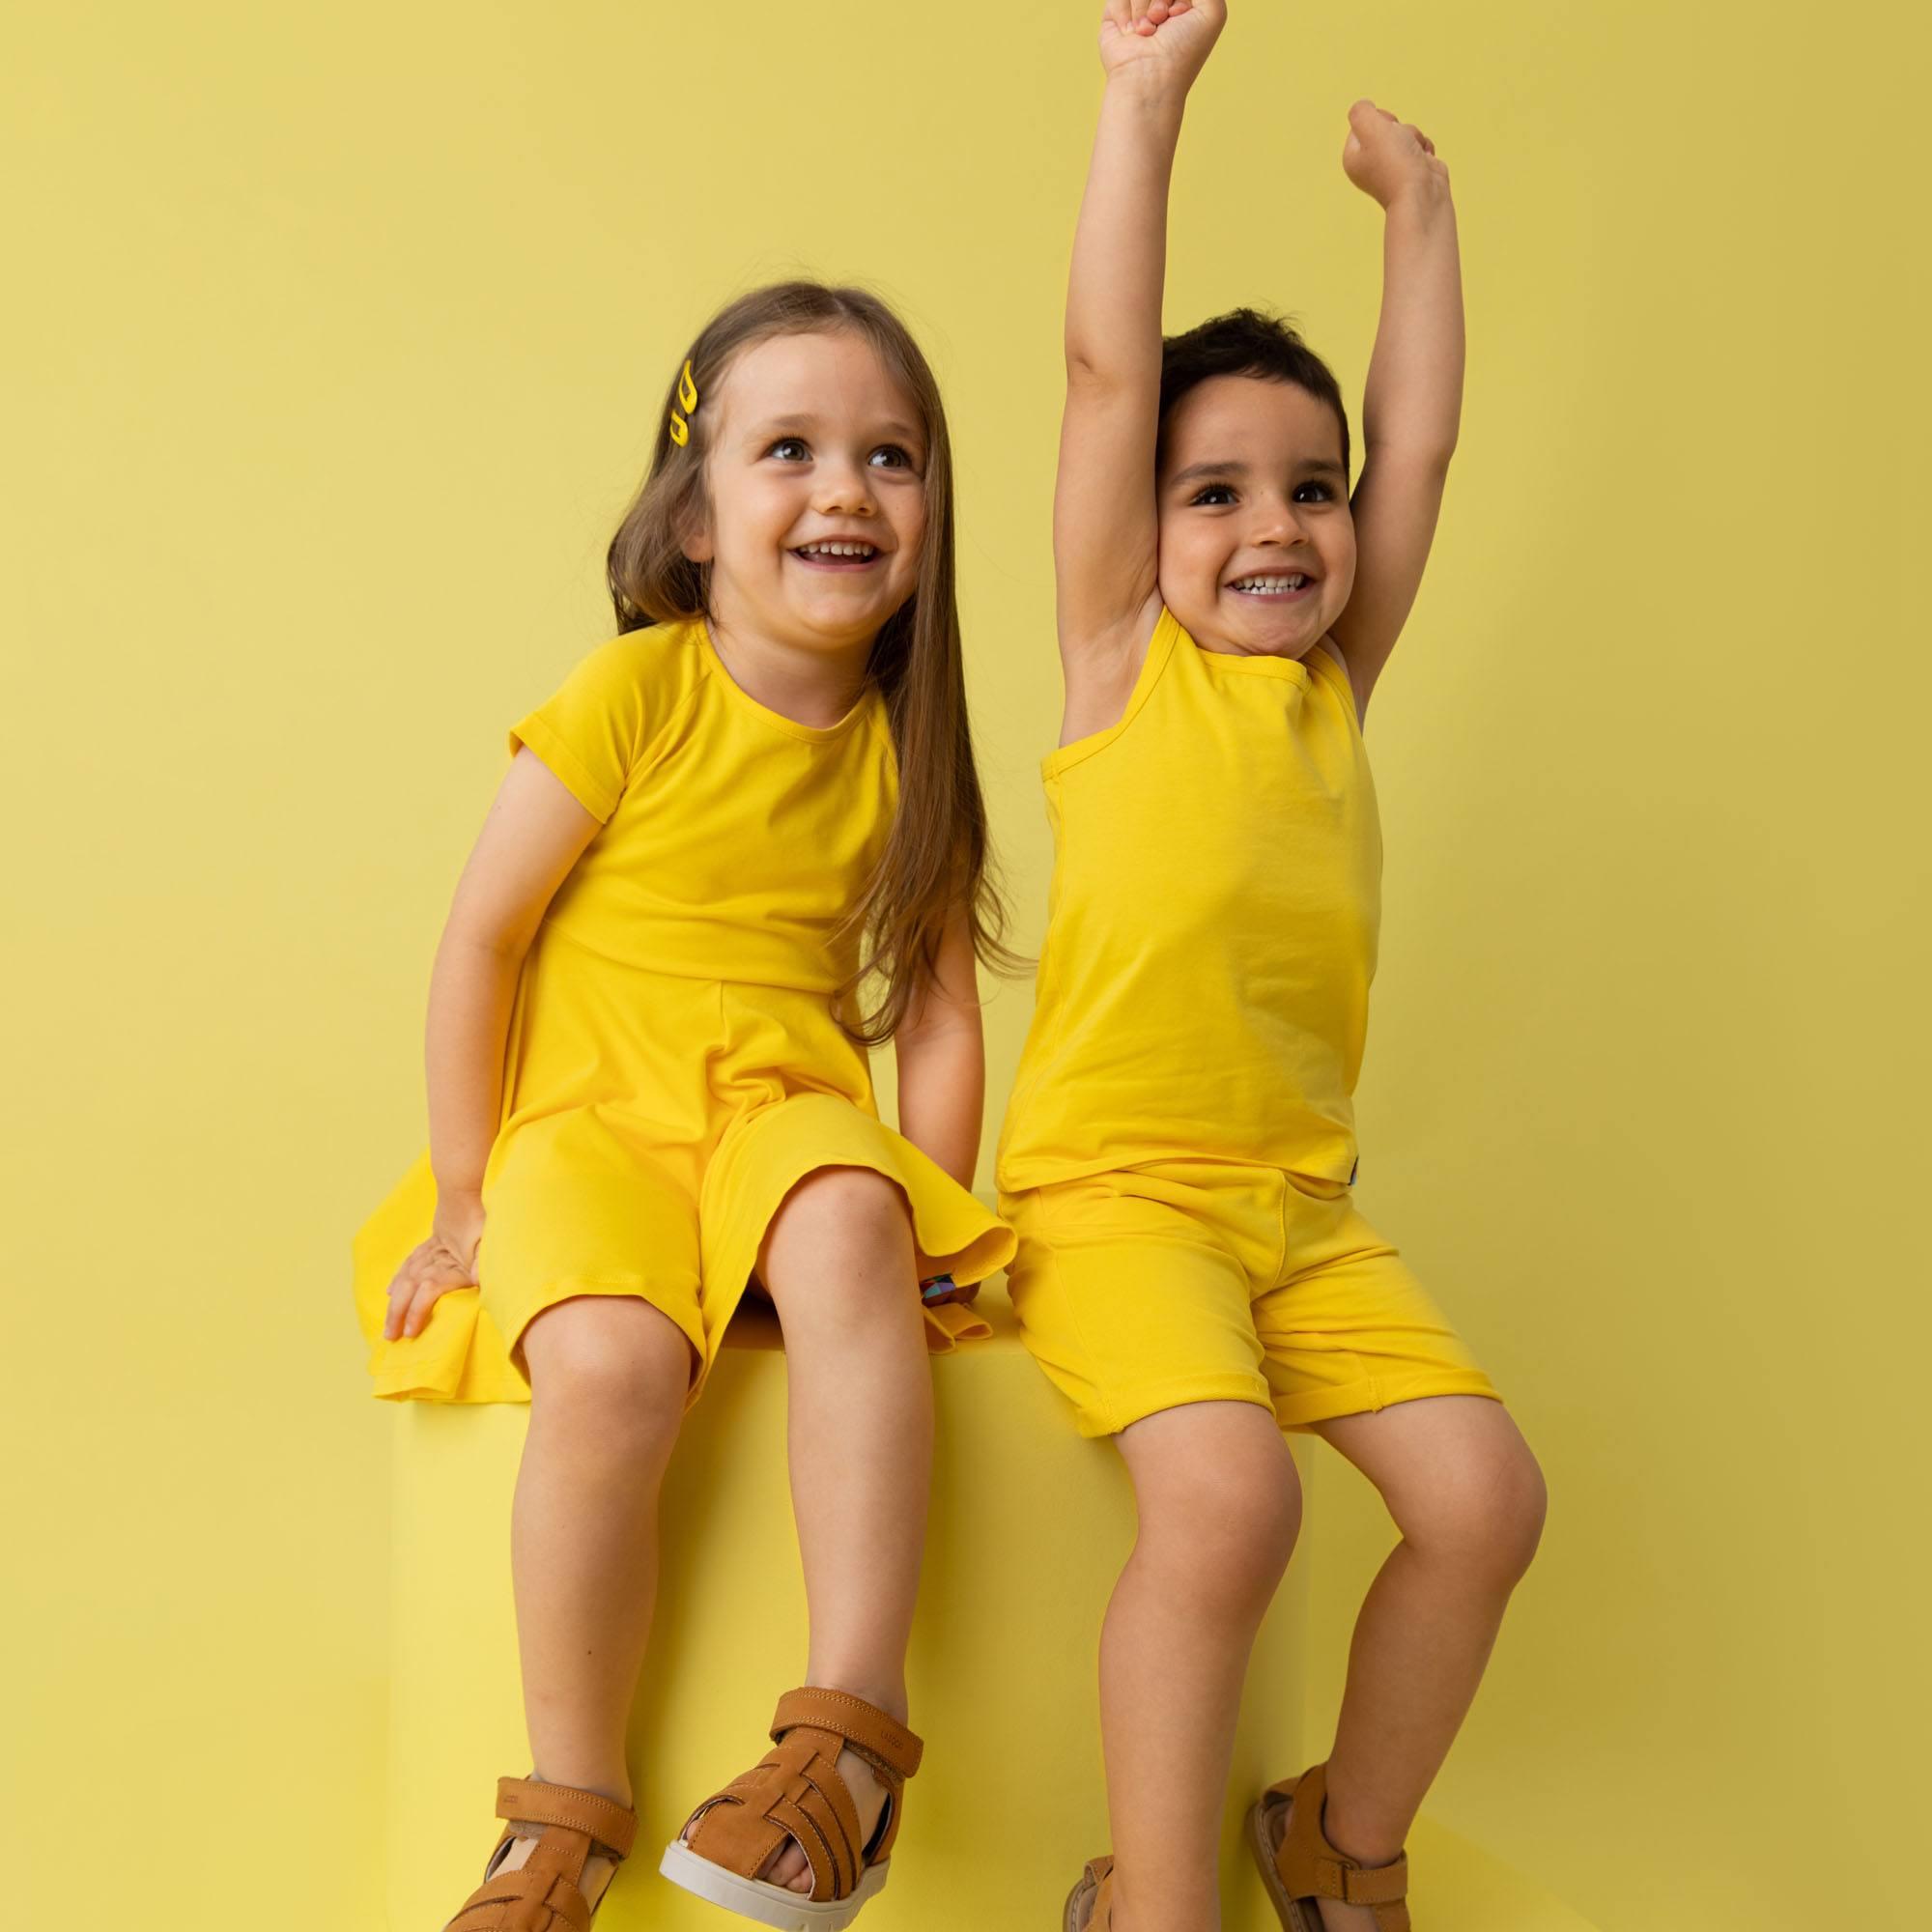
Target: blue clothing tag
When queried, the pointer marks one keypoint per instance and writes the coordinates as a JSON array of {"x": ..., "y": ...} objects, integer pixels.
[{"x": 1355, "y": 1169}]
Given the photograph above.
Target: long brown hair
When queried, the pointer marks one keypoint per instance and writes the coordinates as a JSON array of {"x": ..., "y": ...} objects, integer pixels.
[{"x": 936, "y": 855}]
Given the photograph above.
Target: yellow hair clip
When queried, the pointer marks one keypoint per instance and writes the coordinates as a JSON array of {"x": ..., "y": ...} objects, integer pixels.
[{"x": 687, "y": 395}]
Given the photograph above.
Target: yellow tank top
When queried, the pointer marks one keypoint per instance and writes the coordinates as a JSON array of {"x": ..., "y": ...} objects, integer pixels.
[{"x": 1212, "y": 926}]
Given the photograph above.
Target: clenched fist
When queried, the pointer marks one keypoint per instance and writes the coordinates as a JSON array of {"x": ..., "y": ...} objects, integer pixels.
[
  {"x": 1384, "y": 155},
  {"x": 1163, "y": 40}
]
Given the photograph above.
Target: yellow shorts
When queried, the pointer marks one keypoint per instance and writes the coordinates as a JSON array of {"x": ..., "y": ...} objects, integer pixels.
[
  {"x": 1179, "y": 1281},
  {"x": 653, "y": 1125}
]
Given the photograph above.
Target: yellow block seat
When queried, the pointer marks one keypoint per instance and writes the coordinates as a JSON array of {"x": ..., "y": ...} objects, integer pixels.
[{"x": 1030, "y": 1526}]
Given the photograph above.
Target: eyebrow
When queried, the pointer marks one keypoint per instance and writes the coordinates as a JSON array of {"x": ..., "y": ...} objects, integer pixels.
[
  {"x": 791, "y": 425},
  {"x": 1314, "y": 466}
]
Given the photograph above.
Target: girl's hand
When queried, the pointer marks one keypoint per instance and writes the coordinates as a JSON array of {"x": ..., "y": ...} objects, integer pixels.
[
  {"x": 446, "y": 1259},
  {"x": 1385, "y": 157},
  {"x": 1165, "y": 41}
]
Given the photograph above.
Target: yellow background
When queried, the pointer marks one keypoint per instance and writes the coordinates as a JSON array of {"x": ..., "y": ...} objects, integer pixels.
[{"x": 332, "y": 345}]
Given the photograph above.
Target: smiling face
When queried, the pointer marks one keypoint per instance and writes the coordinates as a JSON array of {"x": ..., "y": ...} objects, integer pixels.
[
  {"x": 1257, "y": 544},
  {"x": 815, "y": 477}
]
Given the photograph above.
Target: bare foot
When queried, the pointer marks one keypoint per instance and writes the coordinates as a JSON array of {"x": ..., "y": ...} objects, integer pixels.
[
  {"x": 1336, "y": 1917},
  {"x": 788, "y": 1866}
]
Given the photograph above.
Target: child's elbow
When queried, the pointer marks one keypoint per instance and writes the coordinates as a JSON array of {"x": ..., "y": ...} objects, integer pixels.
[
  {"x": 948, "y": 1039},
  {"x": 1092, "y": 369},
  {"x": 497, "y": 934},
  {"x": 1430, "y": 455}
]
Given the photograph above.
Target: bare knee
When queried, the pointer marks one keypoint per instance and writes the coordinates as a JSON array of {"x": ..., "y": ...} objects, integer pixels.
[
  {"x": 841, "y": 1242},
  {"x": 1219, "y": 1503},
  {"x": 1483, "y": 1511},
  {"x": 612, "y": 1368}
]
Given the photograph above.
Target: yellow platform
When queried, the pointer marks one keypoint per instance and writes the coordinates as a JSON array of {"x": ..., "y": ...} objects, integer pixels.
[{"x": 1030, "y": 1524}]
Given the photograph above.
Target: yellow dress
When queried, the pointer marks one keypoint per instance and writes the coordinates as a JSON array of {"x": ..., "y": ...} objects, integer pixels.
[{"x": 673, "y": 1064}]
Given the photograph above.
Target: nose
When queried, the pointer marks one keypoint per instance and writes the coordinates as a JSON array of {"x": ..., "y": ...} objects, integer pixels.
[
  {"x": 843, "y": 489},
  {"x": 1277, "y": 521}
]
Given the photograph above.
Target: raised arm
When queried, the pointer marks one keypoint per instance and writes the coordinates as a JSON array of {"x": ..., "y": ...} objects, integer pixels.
[
  {"x": 1413, "y": 399},
  {"x": 1103, "y": 509}
]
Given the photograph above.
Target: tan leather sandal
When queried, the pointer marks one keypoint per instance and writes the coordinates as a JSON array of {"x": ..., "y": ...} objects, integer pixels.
[
  {"x": 795, "y": 1792},
  {"x": 542, "y": 1895},
  {"x": 1306, "y": 1867},
  {"x": 1090, "y": 1904}
]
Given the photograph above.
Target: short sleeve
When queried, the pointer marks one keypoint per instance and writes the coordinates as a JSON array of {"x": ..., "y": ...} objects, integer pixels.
[{"x": 591, "y": 732}]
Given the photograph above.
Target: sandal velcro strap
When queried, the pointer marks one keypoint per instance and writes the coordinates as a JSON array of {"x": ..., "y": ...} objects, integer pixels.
[
  {"x": 1308, "y": 1866},
  {"x": 526, "y": 1800},
  {"x": 1363, "y": 1884},
  {"x": 871, "y": 1732}
]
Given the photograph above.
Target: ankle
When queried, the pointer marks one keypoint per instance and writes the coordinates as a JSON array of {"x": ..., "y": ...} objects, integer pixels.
[
  {"x": 1365, "y": 1841},
  {"x": 885, "y": 1693}
]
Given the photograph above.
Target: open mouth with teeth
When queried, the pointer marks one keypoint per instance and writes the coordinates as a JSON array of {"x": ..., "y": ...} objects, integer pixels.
[
  {"x": 1277, "y": 586},
  {"x": 841, "y": 555}
]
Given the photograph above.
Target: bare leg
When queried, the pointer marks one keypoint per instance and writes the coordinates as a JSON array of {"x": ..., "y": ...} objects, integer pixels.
[
  {"x": 1468, "y": 1498},
  {"x": 1220, "y": 1505},
  {"x": 837, "y": 1262},
  {"x": 607, "y": 1381}
]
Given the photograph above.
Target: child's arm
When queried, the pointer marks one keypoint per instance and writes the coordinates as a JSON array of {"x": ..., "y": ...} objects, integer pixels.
[
  {"x": 940, "y": 1054},
  {"x": 1413, "y": 398},
  {"x": 534, "y": 833},
  {"x": 1104, "y": 532}
]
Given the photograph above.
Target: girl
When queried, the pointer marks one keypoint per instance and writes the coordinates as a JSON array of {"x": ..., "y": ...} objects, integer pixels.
[
  {"x": 648, "y": 1090},
  {"x": 1180, "y": 1147}
]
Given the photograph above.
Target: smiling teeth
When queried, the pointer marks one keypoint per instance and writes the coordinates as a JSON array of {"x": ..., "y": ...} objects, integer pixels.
[
  {"x": 1291, "y": 583},
  {"x": 836, "y": 549}
]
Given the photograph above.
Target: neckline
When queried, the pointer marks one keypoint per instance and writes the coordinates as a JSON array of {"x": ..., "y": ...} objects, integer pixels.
[
  {"x": 793, "y": 728},
  {"x": 1253, "y": 663}
]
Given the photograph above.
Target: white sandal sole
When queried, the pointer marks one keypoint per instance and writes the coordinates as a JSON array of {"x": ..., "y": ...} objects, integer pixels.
[{"x": 768, "y": 1904}]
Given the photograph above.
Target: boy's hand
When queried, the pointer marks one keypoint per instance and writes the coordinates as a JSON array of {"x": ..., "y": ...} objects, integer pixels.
[
  {"x": 446, "y": 1259},
  {"x": 1384, "y": 156},
  {"x": 1165, "y": 42}
]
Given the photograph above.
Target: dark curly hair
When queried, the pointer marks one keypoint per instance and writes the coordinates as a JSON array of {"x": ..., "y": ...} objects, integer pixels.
[{"x": 1243, "y": 342}]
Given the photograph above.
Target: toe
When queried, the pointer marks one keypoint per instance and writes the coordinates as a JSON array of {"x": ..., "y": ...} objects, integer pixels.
[{"x": 789, "y": 1869}]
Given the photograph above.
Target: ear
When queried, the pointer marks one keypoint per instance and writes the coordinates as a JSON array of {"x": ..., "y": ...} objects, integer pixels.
[{"x": 695, "y": 539}]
